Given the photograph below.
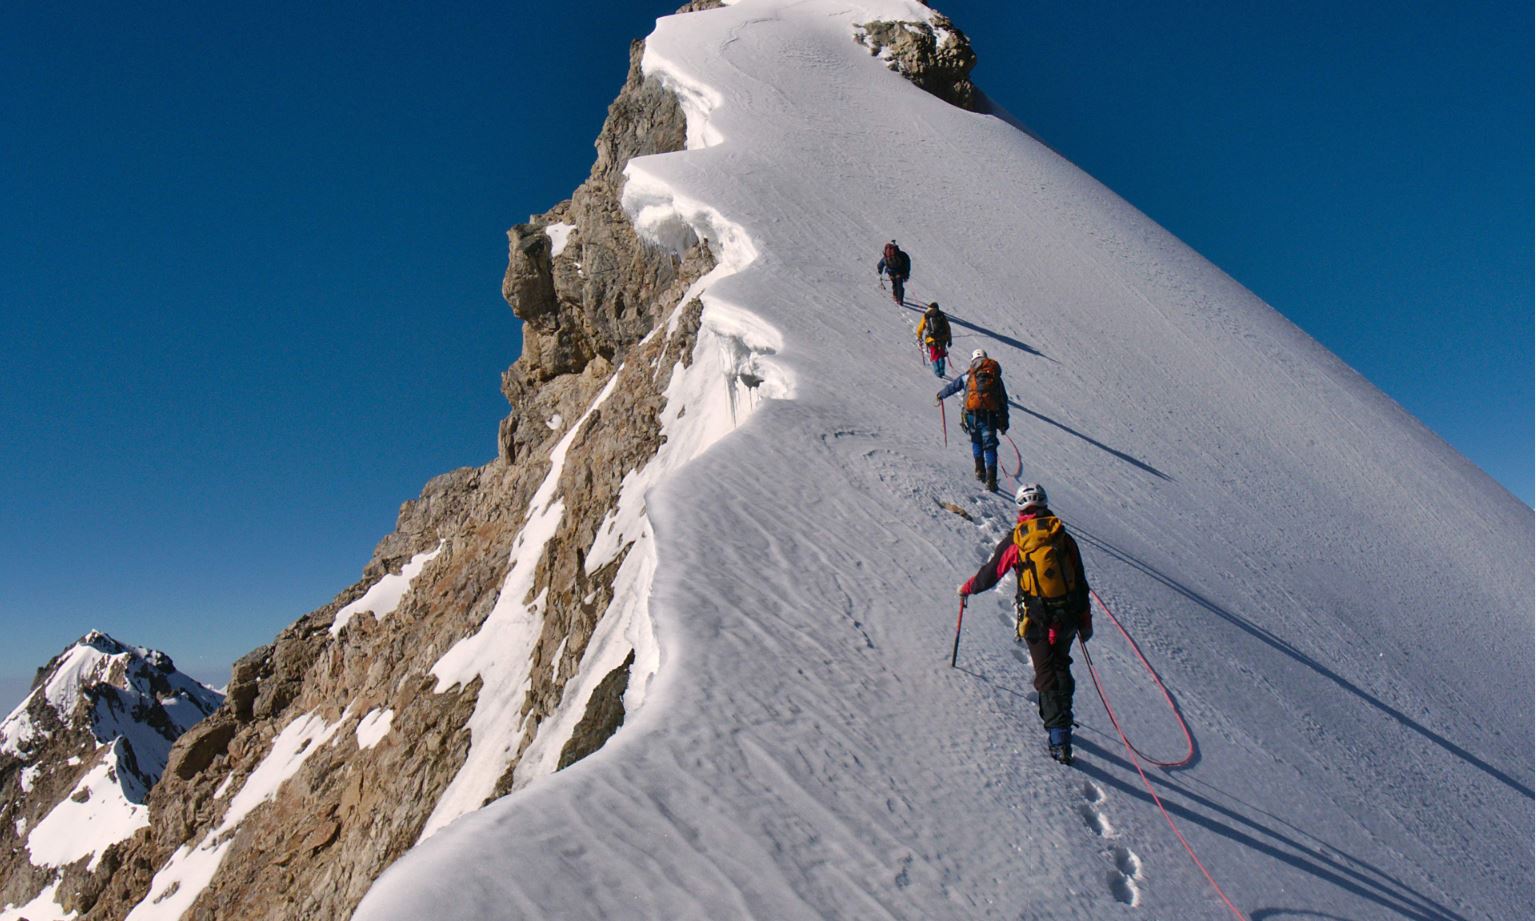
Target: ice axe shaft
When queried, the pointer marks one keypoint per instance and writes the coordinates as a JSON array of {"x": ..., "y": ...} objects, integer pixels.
[{"x": 955, "y": 653}]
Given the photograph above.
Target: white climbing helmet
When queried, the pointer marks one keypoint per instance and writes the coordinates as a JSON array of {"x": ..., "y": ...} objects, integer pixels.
[
  {"x": 978, "y": 355},
  {"x": 1030, "y": 495}
]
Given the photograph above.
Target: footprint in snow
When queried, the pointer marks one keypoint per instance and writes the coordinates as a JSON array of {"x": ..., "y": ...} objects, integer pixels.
[
  {"x": 1125, "y": 871},
  {"x": 1089, "y": 809},
  {"x": 1123, "y": 876}
]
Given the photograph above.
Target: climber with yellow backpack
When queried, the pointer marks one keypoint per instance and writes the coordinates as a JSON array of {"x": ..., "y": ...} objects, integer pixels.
[
  {"x": 933, "y": 336},
  {"x": 1051, "y": 603}
]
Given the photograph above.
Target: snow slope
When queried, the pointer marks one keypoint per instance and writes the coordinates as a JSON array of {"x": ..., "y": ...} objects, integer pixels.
[{"x": 1341, "y": 604}]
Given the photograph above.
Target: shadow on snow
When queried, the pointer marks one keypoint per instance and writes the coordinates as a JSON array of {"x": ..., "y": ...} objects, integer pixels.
[
  {"x": 1347, "y": 872},
  {"x": 1138, "y": 464},
  {"x": 1279, "y": 645}
]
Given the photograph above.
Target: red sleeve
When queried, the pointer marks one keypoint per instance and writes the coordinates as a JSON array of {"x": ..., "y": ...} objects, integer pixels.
[{"x": 1003, "y": 558}]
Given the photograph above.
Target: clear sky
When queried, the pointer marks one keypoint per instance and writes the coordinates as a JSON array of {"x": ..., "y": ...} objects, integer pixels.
[{"x": 250, "y": 272}]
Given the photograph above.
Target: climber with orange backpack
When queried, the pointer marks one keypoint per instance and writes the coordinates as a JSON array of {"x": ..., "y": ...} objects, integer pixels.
[
  {"x": 1051, "y": 604},
  {"x": 986, "y": 411}
]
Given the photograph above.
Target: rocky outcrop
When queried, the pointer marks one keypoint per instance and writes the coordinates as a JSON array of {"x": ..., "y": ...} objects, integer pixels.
[
  {"x": 303, "y": 832},
  {"x": 604, "y": 716},
  {"x": 934, "y": 55}
]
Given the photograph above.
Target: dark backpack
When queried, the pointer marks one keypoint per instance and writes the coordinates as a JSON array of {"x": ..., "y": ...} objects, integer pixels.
[{"x": 937, "y": 329}]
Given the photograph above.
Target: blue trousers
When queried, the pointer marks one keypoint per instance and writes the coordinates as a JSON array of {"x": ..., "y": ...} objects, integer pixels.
[
  {"x": 936, "y": 358},
  {"x": 983, "y": 428}
]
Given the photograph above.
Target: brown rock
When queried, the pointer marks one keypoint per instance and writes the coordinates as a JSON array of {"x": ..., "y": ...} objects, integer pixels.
[
  {"x": 939, "y": 62},
  {"x": 585, "y": 312}
]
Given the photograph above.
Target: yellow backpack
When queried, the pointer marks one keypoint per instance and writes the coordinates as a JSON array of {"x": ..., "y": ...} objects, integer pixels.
[{"x": 1048, "y": 572}]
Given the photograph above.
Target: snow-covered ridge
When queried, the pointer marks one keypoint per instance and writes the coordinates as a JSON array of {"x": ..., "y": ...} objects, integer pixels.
[
  {"x": 730, "y": 373},
  {"x": 1248, "y": 506}
]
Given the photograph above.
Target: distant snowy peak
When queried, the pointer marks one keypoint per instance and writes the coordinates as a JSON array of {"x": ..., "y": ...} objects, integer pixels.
[
  {"x": 109, "y": 688},
  {"x": 80, "y": 754}
]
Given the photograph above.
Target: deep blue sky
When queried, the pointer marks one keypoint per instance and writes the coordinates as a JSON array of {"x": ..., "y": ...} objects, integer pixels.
[{"x": 249, "y": 275}]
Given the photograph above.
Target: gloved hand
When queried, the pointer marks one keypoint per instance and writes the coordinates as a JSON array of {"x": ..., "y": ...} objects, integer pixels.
[
  {"x": 1085, "y": 627},
  {"x": 964, "y": 590},
  {"x": 938, "y": 401}
]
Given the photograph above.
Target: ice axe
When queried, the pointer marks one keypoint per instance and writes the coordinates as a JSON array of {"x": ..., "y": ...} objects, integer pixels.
[{"x": 955, "y": 653}]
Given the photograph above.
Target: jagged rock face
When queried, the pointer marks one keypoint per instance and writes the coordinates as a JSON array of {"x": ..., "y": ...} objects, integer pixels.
[
  {"x": 78, "y": 758},
  {"x": 934, "y": 55},
  {"x": 337, "y": 740},
  {"x": 593, "y": 302}
]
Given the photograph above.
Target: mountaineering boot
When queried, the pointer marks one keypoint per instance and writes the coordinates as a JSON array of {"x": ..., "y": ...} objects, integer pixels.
[
  {"x": 992, "y": 478},
  {"x": 981, "y": 470},
  {"x": 1061, "y": 745}
]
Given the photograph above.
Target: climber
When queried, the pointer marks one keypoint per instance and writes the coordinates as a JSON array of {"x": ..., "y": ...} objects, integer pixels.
[
  {"x": 1051, "y": 605},
  {"x": 898, "y": 265},
  {"x": 986, "y": 412},
  {"x": 933, "y": 334}
]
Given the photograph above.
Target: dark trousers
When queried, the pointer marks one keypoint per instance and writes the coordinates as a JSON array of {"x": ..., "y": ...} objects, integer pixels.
[
  {"x": 899, "y": 288},
  {"x": 1050, "y": 650}
]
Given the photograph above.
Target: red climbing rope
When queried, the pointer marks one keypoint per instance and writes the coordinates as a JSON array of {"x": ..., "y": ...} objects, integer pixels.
[
  {"x": 1019, "y": 471},
  {"x": 1189, "y": 740},
  {"x": 1136, "y": 756}
]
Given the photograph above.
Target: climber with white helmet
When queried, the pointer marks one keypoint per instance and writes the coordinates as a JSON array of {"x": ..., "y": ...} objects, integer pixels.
[
  {"x": 1051, "y": 603},
  {"x": 986, "y": 411}
]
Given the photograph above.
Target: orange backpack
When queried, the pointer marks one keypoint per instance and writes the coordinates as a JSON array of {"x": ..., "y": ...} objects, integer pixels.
[{"x": 983, "y": 387}]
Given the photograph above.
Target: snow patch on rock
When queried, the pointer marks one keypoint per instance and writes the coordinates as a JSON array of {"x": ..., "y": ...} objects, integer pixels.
[
  {"x": 500, "y": 653},
  {"x": 385, "y": 595},
  {"x": 93, "y": 817},
  {"x": 45, "y": 907},
  {"x": 189, "y": 870},
  {"x": 373, "y": 727},
  {"x": 559, "y": 234}
]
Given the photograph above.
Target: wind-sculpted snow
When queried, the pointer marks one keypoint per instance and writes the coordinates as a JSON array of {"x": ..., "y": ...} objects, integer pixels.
[{"x": 1341, "y": 605}]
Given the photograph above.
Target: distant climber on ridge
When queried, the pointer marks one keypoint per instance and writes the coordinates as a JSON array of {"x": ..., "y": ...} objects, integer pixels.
[
  {"x": 898, "y": 265},
  {"x": 933, "y": 334},
  {"x": 1051, "y": 603},
  {"x": 986, "y": 412}
]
